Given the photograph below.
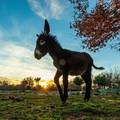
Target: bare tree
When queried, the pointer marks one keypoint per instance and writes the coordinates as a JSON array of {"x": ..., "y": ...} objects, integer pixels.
[{"x": 116, "y": 78}]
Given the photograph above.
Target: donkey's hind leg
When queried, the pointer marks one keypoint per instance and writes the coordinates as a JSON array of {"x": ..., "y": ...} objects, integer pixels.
[
  {"x": 56, "y": 80},
  {"x": 87, "y": 78},
  {"x": 65, "y": 85}
]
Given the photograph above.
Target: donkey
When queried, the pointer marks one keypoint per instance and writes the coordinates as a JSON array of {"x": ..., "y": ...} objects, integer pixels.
[{"x": 66, "y": 61}]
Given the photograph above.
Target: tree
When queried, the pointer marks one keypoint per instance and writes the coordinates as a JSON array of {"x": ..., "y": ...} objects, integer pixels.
[
  {"x": 0, "y": 82},
  {"x": 4, "y": 85},
  {"x": 78, "y": 81},
  {"x": 99, "y": 26},
  {"x": 30, "y": 82},
  {"x": 24, "y": 85},
  {"x": 37, "y": 80},
  {"x": 103, "y": 80},
  {"x": 27, "y": 83},
  {"x": 51, "y": 87},
  {"x": 116, "y": 77}
]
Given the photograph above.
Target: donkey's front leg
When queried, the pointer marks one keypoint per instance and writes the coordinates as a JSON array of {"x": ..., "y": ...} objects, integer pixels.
[
  {"x": 56, "y": 80},
  {"x": 65, "y": 84}
]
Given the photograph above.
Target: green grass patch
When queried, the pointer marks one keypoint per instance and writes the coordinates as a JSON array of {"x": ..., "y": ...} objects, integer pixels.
[{"x": 49, "y": 107}]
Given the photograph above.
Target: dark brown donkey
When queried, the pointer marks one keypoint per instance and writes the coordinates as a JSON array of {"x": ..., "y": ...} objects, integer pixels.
[{"x": 67, "y": 62}]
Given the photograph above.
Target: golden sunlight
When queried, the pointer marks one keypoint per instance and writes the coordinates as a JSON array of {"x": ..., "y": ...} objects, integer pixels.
[{"x": 44, "y": 84}]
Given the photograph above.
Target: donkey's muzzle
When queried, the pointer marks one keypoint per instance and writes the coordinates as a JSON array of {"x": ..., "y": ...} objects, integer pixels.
[{"x": 37, "y": 54}]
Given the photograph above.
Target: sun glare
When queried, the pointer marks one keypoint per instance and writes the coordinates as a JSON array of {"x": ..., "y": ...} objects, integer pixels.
[{"x": 43, "y": 84}]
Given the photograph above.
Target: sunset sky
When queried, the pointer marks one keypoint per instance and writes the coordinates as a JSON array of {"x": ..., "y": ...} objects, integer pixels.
[{"x": 21, "y": 20}]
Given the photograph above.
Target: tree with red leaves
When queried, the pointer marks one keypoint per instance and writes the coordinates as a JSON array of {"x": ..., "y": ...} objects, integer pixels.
[{"x": 99, "y": 26}]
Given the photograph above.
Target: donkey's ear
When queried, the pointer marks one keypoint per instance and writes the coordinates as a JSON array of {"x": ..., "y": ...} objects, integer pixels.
[
  {"x": 37, "y": 35},
  {"x": 46, "y": 27}
]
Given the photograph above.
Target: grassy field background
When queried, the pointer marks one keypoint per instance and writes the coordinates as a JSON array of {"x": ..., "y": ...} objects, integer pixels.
[{"x": 28, "y": 106}]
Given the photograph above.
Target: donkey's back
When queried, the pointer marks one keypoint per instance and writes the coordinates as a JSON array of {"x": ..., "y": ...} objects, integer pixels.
[
  {"x": 79, "y": 61},
  {"x": 74, "y": 57}
]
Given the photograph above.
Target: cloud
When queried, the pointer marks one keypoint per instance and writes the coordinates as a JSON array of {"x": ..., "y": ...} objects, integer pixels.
[
  {"x": 1, "y": 34},
  {"x": 47, "y": 8},
  {"x": 15, "y": 51},
  {"x": 18, "y": 62},
  {"x": 17, "y": 55},
  {"x": 56, "y": 8},
  {"x": 37, "y": 8}
]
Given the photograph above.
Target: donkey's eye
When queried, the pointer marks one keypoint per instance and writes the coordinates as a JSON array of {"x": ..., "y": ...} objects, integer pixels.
[{"x": 42, "y": 42}]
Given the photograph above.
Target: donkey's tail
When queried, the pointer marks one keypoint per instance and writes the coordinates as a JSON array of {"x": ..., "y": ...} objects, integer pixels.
[{"x": 100, "y": 68}]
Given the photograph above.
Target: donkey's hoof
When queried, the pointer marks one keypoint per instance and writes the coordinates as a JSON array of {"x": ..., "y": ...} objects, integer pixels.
[
  {"x": 63, "y": 102},
  {"x": 86, "y": 99}
]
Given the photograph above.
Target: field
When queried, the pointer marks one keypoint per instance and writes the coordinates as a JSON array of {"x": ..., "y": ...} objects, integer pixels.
[{"x": 28, "y": 106}]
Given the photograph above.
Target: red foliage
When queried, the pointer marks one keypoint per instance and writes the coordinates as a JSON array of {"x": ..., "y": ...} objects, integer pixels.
[{"x": 99, "y": 26}]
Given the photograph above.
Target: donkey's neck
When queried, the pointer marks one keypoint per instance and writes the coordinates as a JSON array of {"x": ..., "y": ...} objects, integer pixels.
[{"x": 55, "y": 49}]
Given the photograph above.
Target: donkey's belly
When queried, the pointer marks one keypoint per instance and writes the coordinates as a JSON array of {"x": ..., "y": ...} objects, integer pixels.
[
  {"x": 75, "y": 72},
  {"x": 77, "y": 69}
]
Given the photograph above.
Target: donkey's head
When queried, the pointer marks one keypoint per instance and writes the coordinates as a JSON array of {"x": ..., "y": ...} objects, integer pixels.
[{"x": 41, "y": 43}]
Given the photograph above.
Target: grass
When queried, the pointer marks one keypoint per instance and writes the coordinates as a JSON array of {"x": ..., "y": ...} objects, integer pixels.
[{"x": 49, "y": 107}]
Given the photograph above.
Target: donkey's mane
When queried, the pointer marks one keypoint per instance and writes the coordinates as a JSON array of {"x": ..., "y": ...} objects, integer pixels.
[{"x": 53, "y": 41}]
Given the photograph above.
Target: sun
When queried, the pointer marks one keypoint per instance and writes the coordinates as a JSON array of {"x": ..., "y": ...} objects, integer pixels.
[{"x": 43, "y": 84}]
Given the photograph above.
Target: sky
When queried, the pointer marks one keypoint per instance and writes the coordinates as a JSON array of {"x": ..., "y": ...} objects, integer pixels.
[{"x": 21, "y": 20}]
